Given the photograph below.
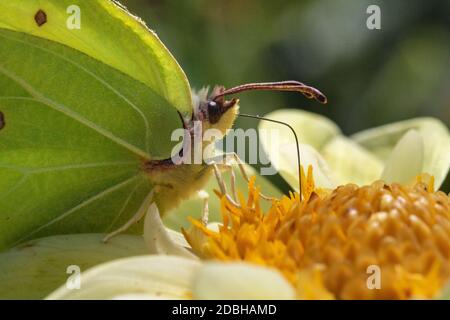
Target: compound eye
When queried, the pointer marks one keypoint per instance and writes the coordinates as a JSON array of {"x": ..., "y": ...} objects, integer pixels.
[{"x": 214, "y": 112}]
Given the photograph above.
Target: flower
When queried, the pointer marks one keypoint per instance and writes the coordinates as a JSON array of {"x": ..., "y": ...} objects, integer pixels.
[
  {"x": 325, "y": 244},
  {"x": 319, "y": 247},
  {"x": 173, "y": 272},
  {"x": 396, "y": 152},
  {"x": 369, "y": 225}
]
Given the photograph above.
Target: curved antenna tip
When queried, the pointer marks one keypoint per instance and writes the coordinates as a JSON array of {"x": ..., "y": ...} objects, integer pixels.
[{"x": 296, "y": 143}]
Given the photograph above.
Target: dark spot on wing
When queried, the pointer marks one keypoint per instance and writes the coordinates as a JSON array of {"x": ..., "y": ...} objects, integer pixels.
[
  {"x": 40, "y": 17},
  {"x": 2, "y": 120}
]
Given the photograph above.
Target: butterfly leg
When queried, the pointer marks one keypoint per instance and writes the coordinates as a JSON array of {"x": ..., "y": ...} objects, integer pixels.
[
  {"x": 134, "y": 219},
  {"x": 203, "y": 195},
  {"x": 232, "y": 158},
  {"x": 222, "y": 186},
  {"x": 233, "y": 184}
]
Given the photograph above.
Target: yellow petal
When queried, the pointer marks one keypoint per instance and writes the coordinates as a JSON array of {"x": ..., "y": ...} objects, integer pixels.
[
  {"x": 310, "y": 285},
  {"x": 436, "y": 140},
  {"x": 240, "y": 281},
  {"x": 350, "y": 162},
  {"x": 164, "y": 277},
  {"x": 160, "y": 240}
]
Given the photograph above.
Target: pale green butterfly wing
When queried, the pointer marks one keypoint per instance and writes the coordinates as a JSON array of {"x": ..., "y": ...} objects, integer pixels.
[
  {"x": 75, "y": 134},
  {"x": 108, "y": 33}
]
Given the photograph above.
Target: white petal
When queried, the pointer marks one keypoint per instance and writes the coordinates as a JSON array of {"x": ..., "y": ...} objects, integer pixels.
[
  {"x": 311, "y": 128},
  {"x": 436, "y": 139},
  {"x": 240, "y": 281},
  {"x": 406, "y": 160},
  {"x": 136, "y": 296},
  {"x": 165, "y": 277},
  {"x": 350, "y": 162},
  {"x": 158, "y": 238},
  {"x": 36, "y": 268},
  {"x": 287, "y": 166},
  {"x": 313, "y": 132},
  {"x": 215, "y": 226}
]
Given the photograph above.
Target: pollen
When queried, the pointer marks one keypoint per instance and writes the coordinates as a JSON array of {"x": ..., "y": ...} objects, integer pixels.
[{"x": 380, "y": 241}]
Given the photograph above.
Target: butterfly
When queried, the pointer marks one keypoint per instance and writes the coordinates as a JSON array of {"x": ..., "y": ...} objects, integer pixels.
[{"x": 86, "y": 116}]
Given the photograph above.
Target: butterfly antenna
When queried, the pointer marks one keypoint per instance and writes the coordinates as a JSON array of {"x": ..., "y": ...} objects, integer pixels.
[{"x": 296, "y": 143}]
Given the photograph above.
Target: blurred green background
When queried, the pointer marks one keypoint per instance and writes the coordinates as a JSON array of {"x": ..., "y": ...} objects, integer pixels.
[{"x": 371, "y": 77}]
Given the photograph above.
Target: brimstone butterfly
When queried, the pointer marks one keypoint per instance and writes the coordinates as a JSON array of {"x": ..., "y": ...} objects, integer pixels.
[{"x": 87, "y": 109}]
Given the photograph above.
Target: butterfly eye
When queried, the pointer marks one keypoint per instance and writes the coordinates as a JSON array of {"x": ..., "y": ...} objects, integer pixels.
[{"x": 214, "y": 111}]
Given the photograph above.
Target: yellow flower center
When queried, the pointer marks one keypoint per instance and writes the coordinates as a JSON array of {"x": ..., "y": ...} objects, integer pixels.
[{"x": 382, "y": 241}]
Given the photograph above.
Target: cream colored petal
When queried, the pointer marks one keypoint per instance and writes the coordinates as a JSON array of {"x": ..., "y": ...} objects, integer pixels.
[
  {"x": 405, "y": 162},
  {"x": 351, "y": 163},
  {"x": 311, "y": 128},
  {"x": 36, "y": 268},
  {"x": 137, "y": 296},
  {"x": 215, "y": 226},
  {"x": 436, "y": 139},
  {"x": 158, "y": 238},
  {"x": 199, "y": 241},
  {"x": 286, "y": 164},
  {"x": 313, "y": 132},
  {"x": 240, "y": 281},
  {"x": 165, "y": 277},
  {"x": 177, "y": 238}
]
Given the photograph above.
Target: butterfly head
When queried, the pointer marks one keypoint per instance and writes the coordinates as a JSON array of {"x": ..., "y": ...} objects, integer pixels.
[{"x": 214, "y": 110}]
